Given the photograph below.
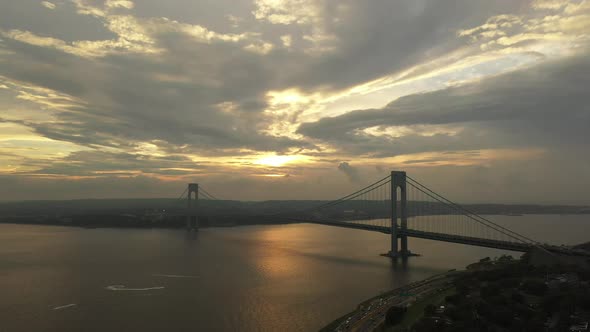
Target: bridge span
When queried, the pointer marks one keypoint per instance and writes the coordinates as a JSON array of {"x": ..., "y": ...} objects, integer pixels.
[
  {"x": 451, "y": 238},
  {"x": 496, "y": 244},
  {"x": 403, "y": 208}
]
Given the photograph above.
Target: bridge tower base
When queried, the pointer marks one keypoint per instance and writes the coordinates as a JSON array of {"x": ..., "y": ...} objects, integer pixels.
[
  {"x": 399, "y": 211},
  {"x": 192, "y": 219}
]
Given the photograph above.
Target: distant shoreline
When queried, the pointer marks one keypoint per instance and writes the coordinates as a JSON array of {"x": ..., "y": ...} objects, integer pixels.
[
  {"x": 171, "y": 213},
  {"x": 176, "y": 222},
  {"x": 129, "y": 221}
]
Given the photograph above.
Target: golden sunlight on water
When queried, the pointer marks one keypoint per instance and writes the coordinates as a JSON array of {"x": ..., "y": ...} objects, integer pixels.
[
  {"x": 276, "y": 258},
  {"x": 293, "y": 278}
]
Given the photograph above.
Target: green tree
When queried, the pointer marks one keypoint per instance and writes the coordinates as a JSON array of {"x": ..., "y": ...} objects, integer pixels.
[
  {"x": 429, "y": 310},
  {"x": 395, "y": 315}
]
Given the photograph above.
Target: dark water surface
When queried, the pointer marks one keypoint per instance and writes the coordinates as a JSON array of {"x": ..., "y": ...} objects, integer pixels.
[{"x": 259, "y": 278}]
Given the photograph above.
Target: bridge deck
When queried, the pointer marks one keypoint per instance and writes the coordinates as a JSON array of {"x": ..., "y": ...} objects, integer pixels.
[
  {"x": 513, "y": 246},
  {"x": 480, "y": 242}
]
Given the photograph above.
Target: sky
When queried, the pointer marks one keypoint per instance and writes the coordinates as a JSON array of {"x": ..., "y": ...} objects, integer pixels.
[{"x": 484, "y": 101}]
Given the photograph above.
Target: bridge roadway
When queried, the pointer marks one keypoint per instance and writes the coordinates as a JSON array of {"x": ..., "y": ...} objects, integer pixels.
[
  {"x": 474, "y": 241},
  {"x": 452, "y": 238}
]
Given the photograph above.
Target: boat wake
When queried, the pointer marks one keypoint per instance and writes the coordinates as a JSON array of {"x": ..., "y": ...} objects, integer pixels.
[
  {"x": 124, "y": 288},
  {"x": 172, "y": 276},
  {"x": 65, "y": 306}
]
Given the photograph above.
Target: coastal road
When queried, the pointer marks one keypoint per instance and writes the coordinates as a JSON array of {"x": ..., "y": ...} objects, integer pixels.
[
  {"x": 377, "y": 317},
  {"x": 371, "y": 315}
]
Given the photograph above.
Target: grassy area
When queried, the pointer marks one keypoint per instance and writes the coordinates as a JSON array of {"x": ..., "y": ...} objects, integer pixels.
[{"x": 416, "y": 311}]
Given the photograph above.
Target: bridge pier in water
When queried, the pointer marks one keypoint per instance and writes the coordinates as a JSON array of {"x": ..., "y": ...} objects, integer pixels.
[
  {"x": 192, "y": 218},
  {"x": 399, "y": 212}
]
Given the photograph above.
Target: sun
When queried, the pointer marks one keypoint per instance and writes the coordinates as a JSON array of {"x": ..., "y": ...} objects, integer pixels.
[{"x": 276, "y": 161}]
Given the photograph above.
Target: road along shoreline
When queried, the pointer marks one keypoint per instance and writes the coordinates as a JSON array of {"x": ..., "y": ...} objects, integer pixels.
[{"x": 371, "y": 313}]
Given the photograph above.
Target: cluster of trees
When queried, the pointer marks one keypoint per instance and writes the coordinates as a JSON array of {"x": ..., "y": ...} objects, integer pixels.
[
  {"x": 395, "y": 315},
  {"x": 512, "y": 296}
]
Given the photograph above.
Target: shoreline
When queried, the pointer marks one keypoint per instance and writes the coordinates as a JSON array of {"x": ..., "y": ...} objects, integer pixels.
[{"x": 378, "y": 305}]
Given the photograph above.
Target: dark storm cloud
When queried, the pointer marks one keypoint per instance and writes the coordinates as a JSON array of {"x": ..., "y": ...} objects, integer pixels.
[{"x": 546, "y": 105}]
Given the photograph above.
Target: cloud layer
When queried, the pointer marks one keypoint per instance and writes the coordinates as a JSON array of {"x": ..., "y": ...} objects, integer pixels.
[{"x": 278, "y": 94}]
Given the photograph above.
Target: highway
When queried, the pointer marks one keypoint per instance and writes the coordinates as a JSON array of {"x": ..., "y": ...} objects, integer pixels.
[{"x": 371, "y": 315}]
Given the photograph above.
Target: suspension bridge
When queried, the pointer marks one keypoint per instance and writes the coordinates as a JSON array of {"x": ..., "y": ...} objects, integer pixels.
[{"x": 402, "y": 207}]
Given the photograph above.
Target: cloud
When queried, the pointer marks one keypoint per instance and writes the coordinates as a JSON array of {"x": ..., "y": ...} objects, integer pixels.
[
  {"x": 115, "y": 108},
  {"x": 553, "y": 24},
  {"x": 367, "y": 40},
  {"x": 103, "y": 164},
  {"x": 351, "y": 172},
  {"x": 541, "y": 106},
  {"x": 136, "y": 36},
  {"x": 287, "y": 11},
  {"x": 168, "y": 91},
  {"x": 119, "y": 4},
  {"x": 48, "y": 5}
]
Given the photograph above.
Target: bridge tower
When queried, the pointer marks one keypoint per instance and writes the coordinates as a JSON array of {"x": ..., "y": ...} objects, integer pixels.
[
  {"x": 399, "y": 211},
  {"x": 192, "y": 219}
]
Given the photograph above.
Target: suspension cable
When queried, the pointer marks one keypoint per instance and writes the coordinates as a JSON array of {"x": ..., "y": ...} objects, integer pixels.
[
  {"x": 468, "y": 213},
  {"x": 182, "y": 195},
  {"x": 207, "y": 194},
  {"x": 355, "y": 194}
]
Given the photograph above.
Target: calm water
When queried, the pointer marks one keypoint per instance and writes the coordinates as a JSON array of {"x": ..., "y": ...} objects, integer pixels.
[{"x": 260, "y": 278}]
